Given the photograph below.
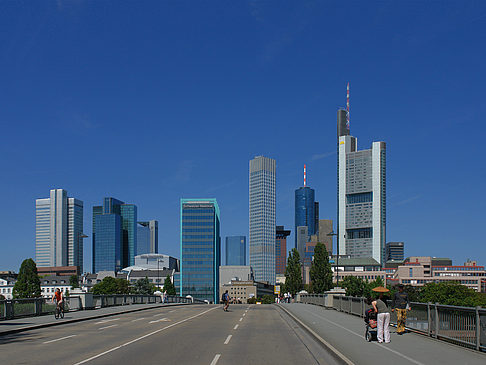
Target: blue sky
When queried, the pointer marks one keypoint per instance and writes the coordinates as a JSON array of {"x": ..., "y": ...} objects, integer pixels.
[{"x": 154, "y": 101}]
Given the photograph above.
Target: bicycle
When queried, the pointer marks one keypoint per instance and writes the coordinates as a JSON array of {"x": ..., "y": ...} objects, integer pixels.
[{"x": 59, "y": 311}]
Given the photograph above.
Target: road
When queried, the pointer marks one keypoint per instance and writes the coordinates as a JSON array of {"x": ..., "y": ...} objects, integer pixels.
[{"x": 203, "y": 334}]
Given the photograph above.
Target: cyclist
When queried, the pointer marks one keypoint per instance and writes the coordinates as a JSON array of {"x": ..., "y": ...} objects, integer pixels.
[{"x": 58, "y": 298}]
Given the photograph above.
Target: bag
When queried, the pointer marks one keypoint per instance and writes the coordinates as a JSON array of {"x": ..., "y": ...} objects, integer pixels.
[
  {"x": 223, "y": 298},
  {"x": 372, "y": 323}
]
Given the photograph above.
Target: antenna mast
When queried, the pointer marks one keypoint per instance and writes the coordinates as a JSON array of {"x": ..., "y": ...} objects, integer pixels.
[
  {"x": 304, "y": 175},
  {"x": 347, "y": 106}
]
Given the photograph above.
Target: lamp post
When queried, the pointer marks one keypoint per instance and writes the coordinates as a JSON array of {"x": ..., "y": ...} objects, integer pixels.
[{"x": 332, "y": 233}]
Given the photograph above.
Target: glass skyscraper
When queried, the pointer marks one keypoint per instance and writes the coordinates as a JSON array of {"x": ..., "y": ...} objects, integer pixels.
[
  {"x": 305, "y": 211},
  {"x": 114, "y": 235},
  {"x": 262, "y": 218},
  {"x": 236, "y": 250},
  {"x": 148, "y": 237},
  {"x": 200, "y": 249},
  {"x": 59, "y": 230}
]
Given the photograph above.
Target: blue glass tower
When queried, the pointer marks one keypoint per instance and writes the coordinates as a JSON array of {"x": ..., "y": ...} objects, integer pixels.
[
  {"x": 200, "y": 249},
  {"x": 236, "y": 250},
  {"x": 305, "y": 210}
]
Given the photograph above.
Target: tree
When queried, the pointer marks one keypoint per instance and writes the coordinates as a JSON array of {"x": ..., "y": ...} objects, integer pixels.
[
  {"x": 169, "y": 286},
  {"x": 320, "y": 271},
  {"x": 144, "y": 286},
  {"x": 452, "y": 294},
  {"x": 28, "y": 282},
  {"x": 293, "y": 276},
  {"x": 110, "y": 285},
  {"x": 74, "y": 281},
  {"x": 355, "y": 287}
]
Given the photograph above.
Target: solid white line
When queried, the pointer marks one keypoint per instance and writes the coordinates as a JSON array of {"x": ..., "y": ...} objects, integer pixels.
[
  {"x": 144, "y": 336},
  {"x": 228, "y": 339},
  {"x": 241, "y": 319},
  {"x": 113, "y": 325},
  {"x": 138, "y": 319},
  {"x": 236, "y": 327},
  {"x": 215, "y": 360},
  {"x": 59, "y": 339},
  {"x": 107, "y": 320}
]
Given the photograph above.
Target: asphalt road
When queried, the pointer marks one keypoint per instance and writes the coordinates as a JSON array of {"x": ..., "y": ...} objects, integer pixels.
[{"x": 257, "y": 334}]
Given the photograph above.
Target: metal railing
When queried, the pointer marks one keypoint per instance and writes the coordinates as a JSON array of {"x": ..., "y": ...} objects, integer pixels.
[
  {"x": 102, "y": 301},
  {"x": 465, "y": 326}
]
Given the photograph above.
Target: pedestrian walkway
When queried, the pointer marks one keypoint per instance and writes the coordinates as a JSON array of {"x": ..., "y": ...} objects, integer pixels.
[
  {"x": 345, "y": 332},
  {"x": 28, "y": 323}
]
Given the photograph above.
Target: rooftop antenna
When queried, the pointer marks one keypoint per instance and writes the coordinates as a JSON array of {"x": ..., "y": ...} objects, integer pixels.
[
  {"x": 347, "y": 106},
  {"x": 304, "y": 175}
]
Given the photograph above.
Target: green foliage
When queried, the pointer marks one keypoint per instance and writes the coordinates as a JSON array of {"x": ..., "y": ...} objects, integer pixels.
[
  {"x": 169, "y": 286},
  {"x": 252, "y": 300},
  {"x": 111, "y": 285},
  {"x": 452, "y": 294},
  {"x": 28, "y": 282},
  {"x": 143, "y": 286},
  {"x": 268, "y": 299},
  {"x": 355, "y": 287},
  {"x": 293, "y": 276},
  {"x": 320, "y": 271},
  {"x": 74, "y": 281}
]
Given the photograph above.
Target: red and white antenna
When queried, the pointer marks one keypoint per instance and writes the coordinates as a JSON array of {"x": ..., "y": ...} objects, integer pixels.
[
  {"x": 304, "y": 175},
  {"x": 347, "y": 106}
]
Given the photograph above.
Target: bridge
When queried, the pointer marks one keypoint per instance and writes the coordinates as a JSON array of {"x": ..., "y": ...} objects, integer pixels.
[{"x": 188, "y": 333}]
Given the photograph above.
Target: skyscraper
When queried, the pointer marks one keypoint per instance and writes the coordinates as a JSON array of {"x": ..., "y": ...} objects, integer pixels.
[
  {"x": 361, "y": 195},
  {"x": 236, "y": 250},
  {"x": 147, "y": 237},
  {"x": 262, "y": 218},
  {"x": 394, "y": 251},
  {"x": 114, "y": 235},
  {"x": 281, "y": 249},
  {"x": 59, "y": 230},
  {"x": 200, "y": 249}
]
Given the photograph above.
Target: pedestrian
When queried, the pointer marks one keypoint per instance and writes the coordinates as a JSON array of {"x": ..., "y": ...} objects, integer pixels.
[
  {"x": 225, "y": 299},
  {"x": 400, "y": 304},
  {"x": 380, "y": 307}
]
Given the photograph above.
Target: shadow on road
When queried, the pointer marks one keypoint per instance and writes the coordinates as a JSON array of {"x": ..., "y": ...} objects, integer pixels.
[{"x": 15, "y": 337}]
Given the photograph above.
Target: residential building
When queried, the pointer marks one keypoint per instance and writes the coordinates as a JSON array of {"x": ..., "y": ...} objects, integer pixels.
[
  {"x": 262, "y": 218},
  {"x": 59, "y": 230},
  {"x": 114, "y": 235},
  {"x": 394, "y": 251},
  {"x": 200, "y": 249},
  {"x": 361, "y": 195},
  {"x": 281, "y": 235},
  {"x": 147, "y": 237},
  {"x": 235, "y": 250}
]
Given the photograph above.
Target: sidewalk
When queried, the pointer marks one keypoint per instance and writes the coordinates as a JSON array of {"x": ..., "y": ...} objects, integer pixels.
[
  {"x": 29, "y": 323},
  {"x": 346, "y": 333}
]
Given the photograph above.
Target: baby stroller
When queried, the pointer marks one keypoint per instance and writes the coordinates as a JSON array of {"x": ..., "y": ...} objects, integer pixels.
[{"x": 370, "y": 320}]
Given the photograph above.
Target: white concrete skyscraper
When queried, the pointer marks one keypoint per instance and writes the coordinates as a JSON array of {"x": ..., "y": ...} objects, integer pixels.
[
  {"x": 361, "y": 195},
  {"x": 59, "y": 230},
  {"x": 262, "y": 218}
]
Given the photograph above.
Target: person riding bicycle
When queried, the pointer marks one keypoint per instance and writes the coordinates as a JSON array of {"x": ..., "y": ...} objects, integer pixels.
[{"x": 58, "y": 298}]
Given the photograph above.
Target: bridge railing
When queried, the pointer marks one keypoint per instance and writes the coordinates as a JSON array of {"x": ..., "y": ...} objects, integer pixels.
[
  {"x": 102, "y": 301},
  {"x": 464, "y": 326}
]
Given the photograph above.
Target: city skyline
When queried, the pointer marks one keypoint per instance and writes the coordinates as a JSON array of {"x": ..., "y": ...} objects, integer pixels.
[{"x": 250, "y": 80}]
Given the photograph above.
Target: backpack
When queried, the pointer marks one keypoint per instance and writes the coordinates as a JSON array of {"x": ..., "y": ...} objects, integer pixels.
[{"x": 223, "y": 298}]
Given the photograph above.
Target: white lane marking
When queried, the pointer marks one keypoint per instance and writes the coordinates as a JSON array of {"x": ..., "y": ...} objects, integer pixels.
[
  {"x": 59, "y": 339},
  {"x": 215, "y": 360},
  {"x": 228, "y": 339},
  {"x": 113, "y": 325},
  {"x": 108, "y": 320},
  {"x": 236, "y": 327},
  {"x": 161, "y": 320},
  {"x": 244, "y": 314},
  {"x": 138, "y": 319},
  {"x": 246, "y": 311},
  {"x": 160, "y": 314},
  {"x": 359, "y": 335},
  {"x": 241, "y": 319},
  {"x": 144, "y": 336},
  {"x": 173, "y": 310}
]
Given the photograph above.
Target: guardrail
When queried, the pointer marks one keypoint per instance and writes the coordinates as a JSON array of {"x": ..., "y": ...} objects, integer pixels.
[{"x": 465, "y": 326}]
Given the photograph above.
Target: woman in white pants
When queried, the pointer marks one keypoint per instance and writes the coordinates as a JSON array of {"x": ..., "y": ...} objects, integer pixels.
[{"x": 383, "y": 317}]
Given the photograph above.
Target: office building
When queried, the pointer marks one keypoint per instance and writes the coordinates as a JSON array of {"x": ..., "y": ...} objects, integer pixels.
[
  {"x": 306, "y": 209},
  {"x": 236, "y": 250},
  {"x": 234, "y": 272},
  {"x": 394, "y": 251},
  {"x": 114, "y": 235},
  {"x": 59, "y": 230},
  {"x": 302, "y": 236},
  {"x": 281, "y": 235},
  {"x": 262, "y": 218},
  {"x": 200, "y": 249},
  {"x": 325, "y": 228},
  {"x": 361, "y": 195},
  {"x": 147, "y": 237}
]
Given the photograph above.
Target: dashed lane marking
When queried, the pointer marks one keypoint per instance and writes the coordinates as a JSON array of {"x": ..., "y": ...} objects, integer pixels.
[
  {"x": 215, "y": 360},
  {"x": 228, "y": 339},
  {"x": 59, "y": 339},
  {"x": 138, "y": 319},
  {"x": 241, "y": 319},
  {"x": 160, "y": 320},
  {"x": 236, "y": 327},
  {"x": 107, "y": 320},
  {"x": 113, "y": 325}
]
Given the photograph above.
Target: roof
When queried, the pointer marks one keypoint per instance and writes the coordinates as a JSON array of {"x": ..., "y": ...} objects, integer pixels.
[
  {"x": 356, "y": 261},
  {"x": 150, "y": 273}
]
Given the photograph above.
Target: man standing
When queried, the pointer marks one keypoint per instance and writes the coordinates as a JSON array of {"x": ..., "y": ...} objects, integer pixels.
[{"x": 401, "y": 304}]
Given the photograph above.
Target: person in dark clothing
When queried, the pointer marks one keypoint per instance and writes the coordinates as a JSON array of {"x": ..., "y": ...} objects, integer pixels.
[{"x": 401, "y": 304}]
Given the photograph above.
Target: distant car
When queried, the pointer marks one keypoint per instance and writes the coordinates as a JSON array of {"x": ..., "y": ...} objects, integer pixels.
[{"x": 206, "y": 301}]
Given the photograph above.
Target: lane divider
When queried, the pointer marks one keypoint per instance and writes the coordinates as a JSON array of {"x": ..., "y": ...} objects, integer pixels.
[
  {"x": 108, "y": 320},
  {"x": 236, "y": 327},
  {"x": 215, "y": 360},
  {"x": 138, "y": 319},
  {"x": 113, "y": 325},
  {"x": 59, "y": 339},
  {"x": 241, "y": 319},
  {"x": 160, "y": 320},
  {"x": 228, "y": 339}
]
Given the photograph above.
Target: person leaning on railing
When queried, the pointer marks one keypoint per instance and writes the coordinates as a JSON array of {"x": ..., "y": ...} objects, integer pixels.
[{"x": 401, "y": 303}]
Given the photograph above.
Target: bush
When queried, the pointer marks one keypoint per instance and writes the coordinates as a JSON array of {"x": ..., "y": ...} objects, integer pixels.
[
  {"x": 252, "y": 300},
  {"x": 268, "y": 299}
]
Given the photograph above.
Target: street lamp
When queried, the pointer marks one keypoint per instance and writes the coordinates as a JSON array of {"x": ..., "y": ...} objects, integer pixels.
[{"x": 332, "y": 233}]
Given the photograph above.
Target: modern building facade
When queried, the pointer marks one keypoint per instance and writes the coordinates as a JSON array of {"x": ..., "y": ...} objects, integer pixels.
[
  {"x": 114, "y": 235},
  {"x": 394, "y": 251},
  {"x": 262, "y": 218},
  {"x": 59, "y": 230},
  {"x": 147, "y": 237},
  {"x": 281, "y": 235},
  {"x": 200, "y": 249},
  {"x": 302, "y": 236},
  {"x": 305, "y": 211},
  {"x": 361, "y": 195},
  {"x": 235, "y": 250}
]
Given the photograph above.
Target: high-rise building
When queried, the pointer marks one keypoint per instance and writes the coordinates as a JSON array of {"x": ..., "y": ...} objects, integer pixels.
[
  {"x": 302, "y": 236},
  {"x": 114, "y": 235},
  {"x": 236, "y": 250},
  {"x": 200, "y": 249},
  {"x": 361, "y": 195},
  {"x": 281, "y": 235},
  {"x": 262, "y": 218},
  {"x": 325, "y": 227},
  {"x": 306, "y": 209},
  {"x": 59, "y": 230},
  {"x": 394, "y": 251},
  {"x": 147, "y": 237}
]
